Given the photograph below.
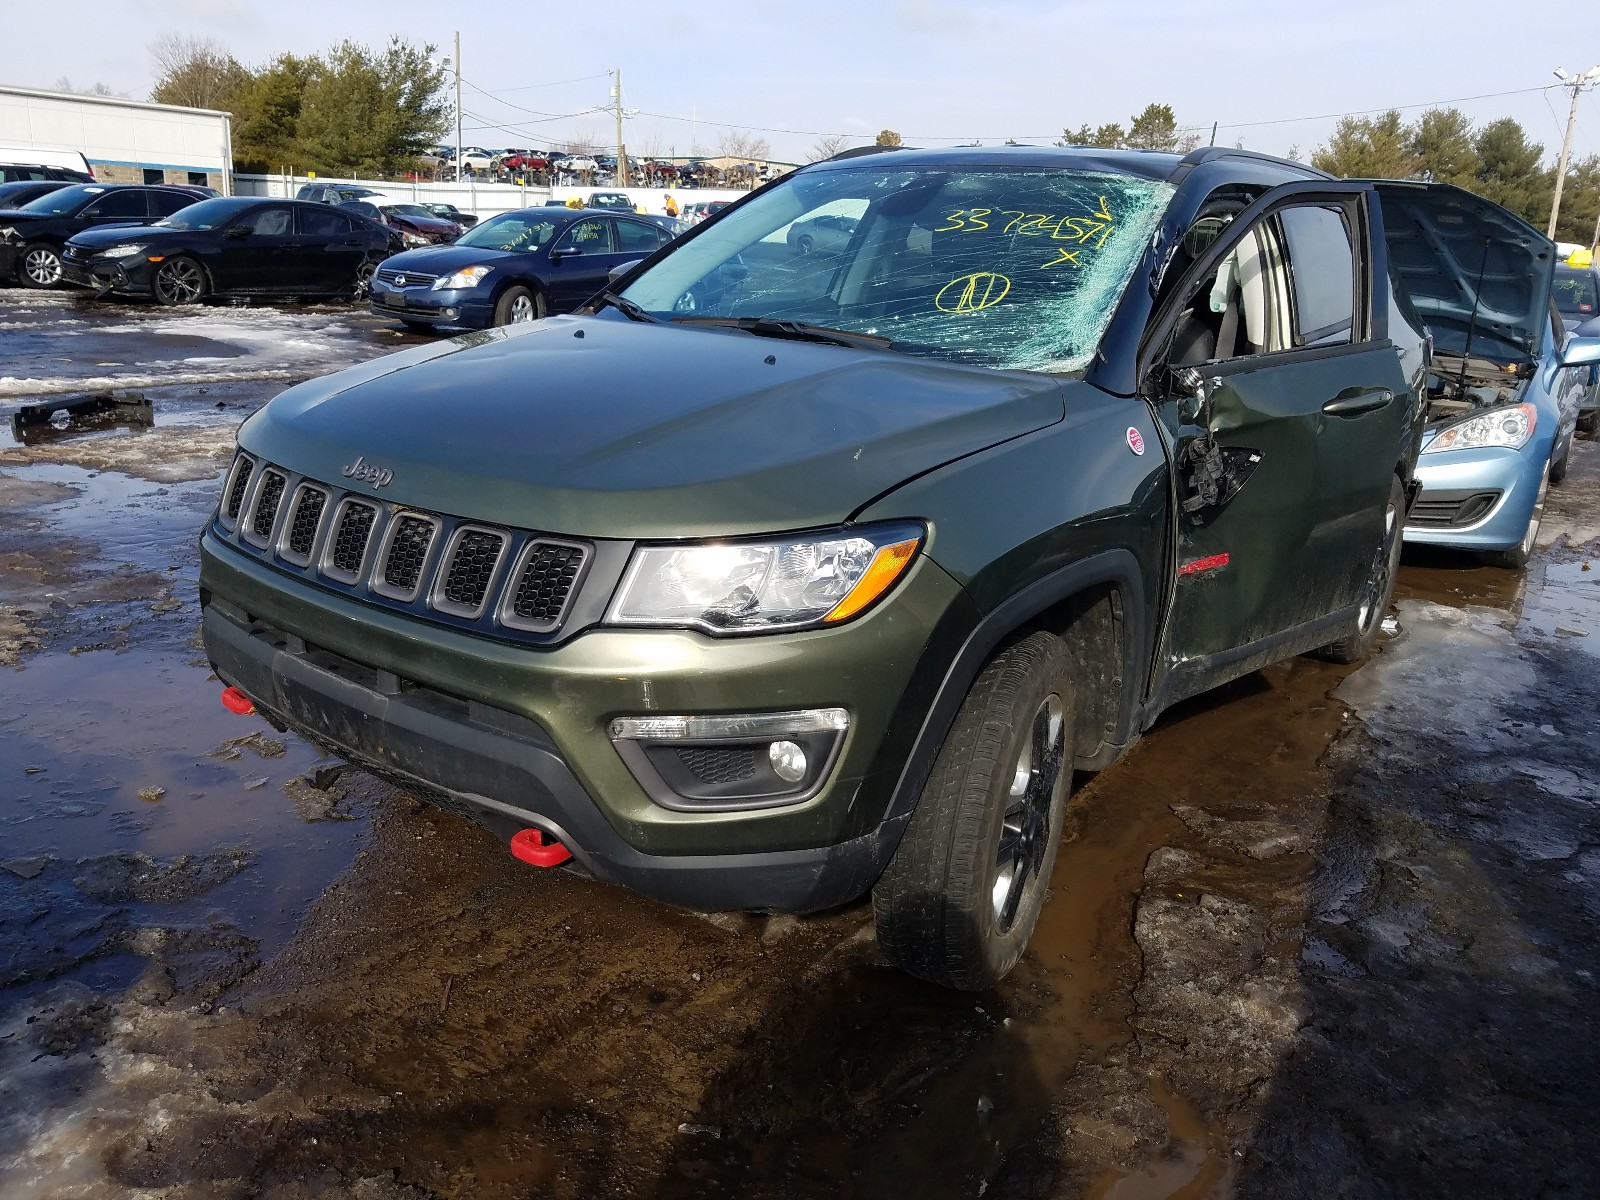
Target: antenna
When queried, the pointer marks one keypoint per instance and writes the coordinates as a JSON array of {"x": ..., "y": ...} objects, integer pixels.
[{"x": 1472, "y": 325}]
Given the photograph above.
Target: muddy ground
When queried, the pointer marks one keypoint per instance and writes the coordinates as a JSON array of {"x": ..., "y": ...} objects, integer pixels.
[{"x": 1325, "y": 933}]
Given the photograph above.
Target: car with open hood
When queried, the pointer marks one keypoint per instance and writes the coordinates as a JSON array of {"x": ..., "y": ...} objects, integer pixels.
[
  {"x": 1507, "y": 379},
  {"x": 518, "y": 266},
  {"x": 232, "y": 246},
  {"x": 766, "y": 580}
]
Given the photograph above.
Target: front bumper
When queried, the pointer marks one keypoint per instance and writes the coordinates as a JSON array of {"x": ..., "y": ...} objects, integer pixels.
[
  {"x": 516, "y": 736},
  {"x": 9, "y": 253},
  {"x": 466, "y": 308},
  {"x": 125, "y": 277},
  {"x": 1508, "y": 478}
]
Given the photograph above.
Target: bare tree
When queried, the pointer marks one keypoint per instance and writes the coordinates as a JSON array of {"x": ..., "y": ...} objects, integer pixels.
[
  {"x": 827, "y": 147},
  {"x": 742, "y": 144},
  {"x": 585, "y": 144},
  {"x": 99, "y": 89},
  {"x": 195, "y": 72}
]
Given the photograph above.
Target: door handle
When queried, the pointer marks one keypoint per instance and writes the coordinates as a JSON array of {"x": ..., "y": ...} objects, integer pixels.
[{"x": 1354, "y": 401}]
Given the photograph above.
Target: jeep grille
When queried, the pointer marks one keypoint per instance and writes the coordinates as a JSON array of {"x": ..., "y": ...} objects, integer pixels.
[{"x": 437, "y": 567}]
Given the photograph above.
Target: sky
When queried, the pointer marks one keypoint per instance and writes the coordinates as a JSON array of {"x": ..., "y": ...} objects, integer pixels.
[{"x": 1273, "y": 75}]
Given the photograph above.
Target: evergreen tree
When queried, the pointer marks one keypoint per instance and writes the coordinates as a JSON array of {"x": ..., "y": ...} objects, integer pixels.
[
  {"x": 1441, "y": 142},
  {"x": 1368, "y": 148}
]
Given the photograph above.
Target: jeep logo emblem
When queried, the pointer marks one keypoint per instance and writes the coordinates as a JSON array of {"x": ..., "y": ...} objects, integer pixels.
[{"x": 367, "y": 473}]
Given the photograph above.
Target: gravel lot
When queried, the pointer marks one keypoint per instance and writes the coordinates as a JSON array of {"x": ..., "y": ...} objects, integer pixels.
[{"x": 1324, "y": 933}]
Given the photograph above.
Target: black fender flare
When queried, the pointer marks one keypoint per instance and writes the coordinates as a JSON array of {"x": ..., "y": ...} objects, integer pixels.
[{"x": 1118, "y": 567}]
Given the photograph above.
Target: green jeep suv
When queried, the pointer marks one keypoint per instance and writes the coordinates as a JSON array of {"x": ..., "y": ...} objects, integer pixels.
[{"x": 776, "y": 576}]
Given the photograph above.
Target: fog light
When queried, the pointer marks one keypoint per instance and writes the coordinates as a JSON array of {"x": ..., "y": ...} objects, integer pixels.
[{"x": 788, "y": 761}]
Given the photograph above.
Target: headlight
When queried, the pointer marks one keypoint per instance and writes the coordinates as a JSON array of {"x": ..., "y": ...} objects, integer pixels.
[
  {"x": 755, "y": 587},
  {"x": 1508, "y": 427},
  {"x": 118, "y": 251},
  {"x": 413, "y": 239},
  {"x": 464, "y": 278}
]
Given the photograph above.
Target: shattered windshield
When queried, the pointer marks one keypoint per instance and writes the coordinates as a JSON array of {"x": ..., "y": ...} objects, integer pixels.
[{"x": 1006, "y": 268}]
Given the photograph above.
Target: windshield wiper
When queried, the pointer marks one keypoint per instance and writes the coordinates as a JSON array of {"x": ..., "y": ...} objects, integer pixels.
[
  {"x": 797, "y": 331},
  {"x": 628, "y": 308}
]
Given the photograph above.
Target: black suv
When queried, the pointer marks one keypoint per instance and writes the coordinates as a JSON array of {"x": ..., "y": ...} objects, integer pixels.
[
  {"x": 1057, "y": 439},
  {"x": 32, "y": 237}
]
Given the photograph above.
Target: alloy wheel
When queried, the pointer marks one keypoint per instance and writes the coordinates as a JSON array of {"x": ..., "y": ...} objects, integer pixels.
[
  {"x": 1382, "y": 564},
  {"x": 522, "y": 310},
  {"x": 181, "y": 281},
  {"x": 1036, "y": 777},
  {"x": 42, "y": 266}
]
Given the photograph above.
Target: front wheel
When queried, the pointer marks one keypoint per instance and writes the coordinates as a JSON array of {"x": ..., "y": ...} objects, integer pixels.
[
  {"x": 39, "y": 266},
  {"x": 179, "y": 281},
  {"x": 1379, "y": 591},
  {"x": 1517, "y": 557},
  {"x": 518, "y": 305},
  {"x": 959, "y": 900}
]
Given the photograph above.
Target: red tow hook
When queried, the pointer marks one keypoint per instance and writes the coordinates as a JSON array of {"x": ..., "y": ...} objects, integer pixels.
[
  {"x": 529, "y": 845},
  {"x": 236, "y": 701}
]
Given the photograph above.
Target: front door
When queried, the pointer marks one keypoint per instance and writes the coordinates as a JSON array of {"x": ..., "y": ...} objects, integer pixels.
[
  {"x": 580, "y": 261},
  {"x": 258, "y": 251},
  {"x": 1287, "y": 412}
]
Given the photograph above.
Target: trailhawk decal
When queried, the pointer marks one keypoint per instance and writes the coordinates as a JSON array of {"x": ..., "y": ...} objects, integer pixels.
[{"x": 1135, "y": 440}]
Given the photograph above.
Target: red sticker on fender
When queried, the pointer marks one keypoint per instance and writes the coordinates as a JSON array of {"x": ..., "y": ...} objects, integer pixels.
[
  {"x": 1135, "y": 440},
  {"x": 1195, "y": 566}
]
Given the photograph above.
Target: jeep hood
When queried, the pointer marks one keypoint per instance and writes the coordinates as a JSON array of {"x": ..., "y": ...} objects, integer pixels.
[
  {"x": 601, "y": 427},
  {"x": 1455, "y": 251}
]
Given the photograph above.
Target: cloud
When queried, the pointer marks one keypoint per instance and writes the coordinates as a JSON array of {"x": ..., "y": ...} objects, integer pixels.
[
  {"x": 935, "y": 18},
  {"x": 233, "y": 16}
]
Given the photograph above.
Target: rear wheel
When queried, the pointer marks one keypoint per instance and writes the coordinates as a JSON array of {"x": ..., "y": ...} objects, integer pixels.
[
  {"x": 518, "y": 305},
  {"x": 806, "y": 243},
  {"x": 39, "y": 266},
  {"x": 1517, "y": 557},
  {"x": 959, "y": 900},
  {"x": 179, "y": 281},
  {"x": 1379, "y": 591}
]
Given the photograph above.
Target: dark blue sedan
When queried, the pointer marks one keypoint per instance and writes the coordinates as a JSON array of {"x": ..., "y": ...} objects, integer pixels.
[{"x": 519, "y": 266}]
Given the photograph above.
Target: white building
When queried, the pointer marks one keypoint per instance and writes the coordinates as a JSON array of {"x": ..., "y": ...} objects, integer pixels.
[{"x": 125, "y": 141}]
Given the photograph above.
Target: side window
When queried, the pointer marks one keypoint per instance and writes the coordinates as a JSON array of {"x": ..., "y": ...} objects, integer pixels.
[
  {"x": 323, "y": 223},
  {"x": 1240, "y": 309},
  {"x": 164, "y": 204},
  {"x": 127, "y": 203},
  {"x": 635, "y": 237},
  {"x": 370, "y": 211},
  {"x": 592, "y": 237},
  {"x": 1322, "y": 269},
  {"x": 267, "y": 222}
]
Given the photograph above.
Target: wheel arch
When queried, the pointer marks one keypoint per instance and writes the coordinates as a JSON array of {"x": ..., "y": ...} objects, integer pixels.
[{"x": 1097, "y": 606}]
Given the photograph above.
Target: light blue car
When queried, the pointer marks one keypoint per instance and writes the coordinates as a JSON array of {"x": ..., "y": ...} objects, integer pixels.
[{"x": 1506, "y": 379}]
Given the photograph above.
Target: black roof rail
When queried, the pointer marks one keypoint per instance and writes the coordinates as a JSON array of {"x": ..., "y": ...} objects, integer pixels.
[
  {"x": 858, "y": 151},
  {"x": 1206, "y": 154}
]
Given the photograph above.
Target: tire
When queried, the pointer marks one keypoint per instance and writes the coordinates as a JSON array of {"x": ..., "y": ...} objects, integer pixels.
[
  {"x": 179, "y": 280},
  {"x": 519, "y": 305},
  {"x": 1558, "y": 471},
  {"x": 1517, "y": 557},
  {"x": 1589, "y": 422},
  {"x": 1380, "y": 585},
  {"x": 959, "y": 900},
  {"x": 39, "y": 265},
  {"x": 806, "y": 243},
  {"x": 362, "y": 287}
]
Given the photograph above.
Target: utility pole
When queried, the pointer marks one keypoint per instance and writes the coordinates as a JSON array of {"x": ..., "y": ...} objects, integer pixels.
[
  {"x": 458, "y": 105},
  {"x": 1577, "y": 85},
  {"x": 622, "y": 150}
]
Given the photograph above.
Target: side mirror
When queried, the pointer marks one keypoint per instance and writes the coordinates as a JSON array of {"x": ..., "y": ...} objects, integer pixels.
[
  {"x": 235, "y": 232},
  {"x": 621, "y": 269},
  {"x": 561, "y": 252},
  {"x": 1581, "y": 351},
  {"x": 1193, "y": 392}
]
